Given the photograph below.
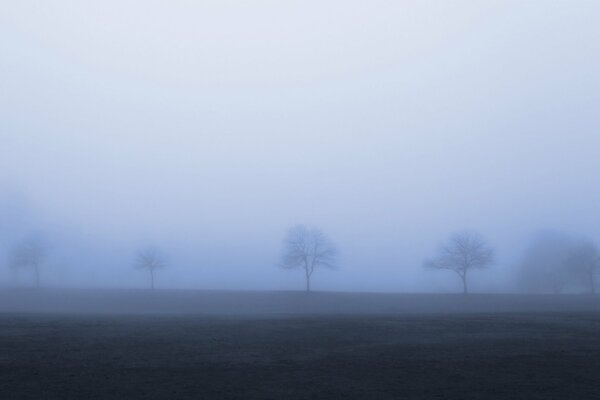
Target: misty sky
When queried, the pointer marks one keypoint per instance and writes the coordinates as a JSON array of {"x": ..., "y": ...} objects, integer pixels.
[{"x": 209, "y": 127}]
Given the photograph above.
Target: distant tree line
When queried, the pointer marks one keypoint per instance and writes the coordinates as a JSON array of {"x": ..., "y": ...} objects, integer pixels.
[
  {"x": 553, "y": 262},
  {"x": 557, "y": 263}
]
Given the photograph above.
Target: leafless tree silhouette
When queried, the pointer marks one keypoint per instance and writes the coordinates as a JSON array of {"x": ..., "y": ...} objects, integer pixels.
[
  {"x": 150, "y": 259},
  {"x": 584, "y": 260},
  {"x": 308, "y": 249},
  {"x": 463, "y": 252},
  {"x": 28, "y": 254}
]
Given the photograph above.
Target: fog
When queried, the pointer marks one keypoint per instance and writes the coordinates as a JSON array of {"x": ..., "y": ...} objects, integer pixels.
[{"x": 208, "y": 129}]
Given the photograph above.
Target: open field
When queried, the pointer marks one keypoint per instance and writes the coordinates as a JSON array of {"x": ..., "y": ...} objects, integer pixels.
[
  {"x": 280, "y": 302},
  {"x": 355, "y": 346}
]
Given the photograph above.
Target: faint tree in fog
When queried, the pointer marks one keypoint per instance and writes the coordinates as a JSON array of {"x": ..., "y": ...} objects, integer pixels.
[
  {"x": 150, "y": 259},
  {"x": 584, "y": 261},
  {"x": 544, "y": 266},
  {"x": 29, "y": 254},
  {"x": 307, "y": 249},
  {"x": 463, "y": 252}
]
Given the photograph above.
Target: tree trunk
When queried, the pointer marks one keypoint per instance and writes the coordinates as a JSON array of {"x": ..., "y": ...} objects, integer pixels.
[
  {"x": 592, "y": 283},
  {"x": 307, "y": 281},
  {"x": 152, "y": 279},
  {"x": 464, "y": 281}
]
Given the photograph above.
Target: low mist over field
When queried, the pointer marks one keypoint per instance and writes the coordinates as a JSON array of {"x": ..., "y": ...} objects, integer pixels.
[{"x": 207, "y": 130}]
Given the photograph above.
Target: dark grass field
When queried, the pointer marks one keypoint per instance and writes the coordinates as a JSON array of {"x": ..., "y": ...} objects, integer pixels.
[{"x": 450, "y": 347}]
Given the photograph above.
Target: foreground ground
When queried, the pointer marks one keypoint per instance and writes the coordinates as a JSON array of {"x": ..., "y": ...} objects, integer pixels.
[{"x": 473, "y": 355}]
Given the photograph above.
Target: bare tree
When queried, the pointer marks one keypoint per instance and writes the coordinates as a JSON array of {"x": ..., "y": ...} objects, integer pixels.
[
  {"x": 463, "y": 252},
  {"x": 150, "y": 259},
  {"x": 28, "y": 254},
  {"x": 543, "y": 266},
  {"x": 307, "y": 249},
  {"x": 584, "y": 261}
]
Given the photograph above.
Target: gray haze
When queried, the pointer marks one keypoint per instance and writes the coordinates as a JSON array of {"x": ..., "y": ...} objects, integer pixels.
[{"x": 208, "y": 128}]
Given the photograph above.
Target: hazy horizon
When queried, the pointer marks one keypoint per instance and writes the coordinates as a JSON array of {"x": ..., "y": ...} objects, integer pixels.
[{"x": 209, "y": 128}]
